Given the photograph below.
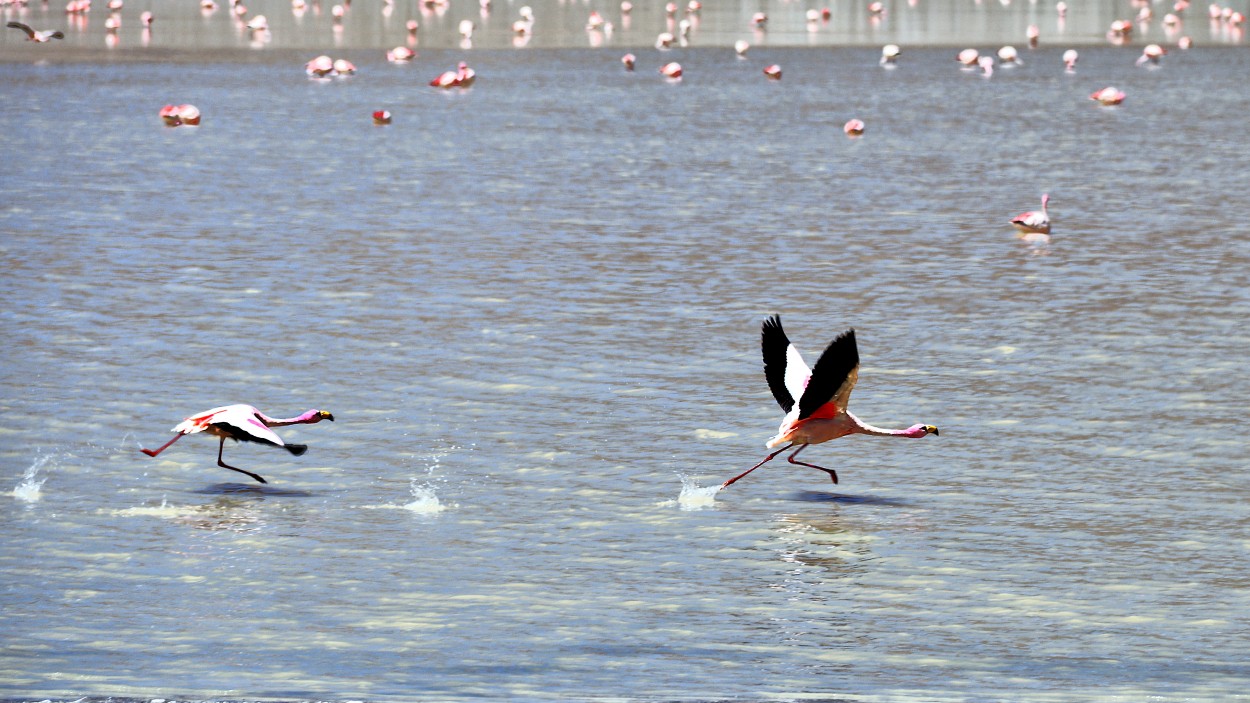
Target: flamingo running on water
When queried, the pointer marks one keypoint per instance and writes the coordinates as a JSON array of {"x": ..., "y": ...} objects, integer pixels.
[
  {"x": 37, "y": 37},
  {"x": 820, "y": 413},
  {"x": 242, "y": 423},
  {"x": 1034, "y": 221}
]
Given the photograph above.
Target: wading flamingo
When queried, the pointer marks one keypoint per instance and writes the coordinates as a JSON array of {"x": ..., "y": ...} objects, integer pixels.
[
  {"x": 242, "y": 423},
  {"x": 1108, "y": 96},
  {"x": 820, "y": 413},
  {"x": 37, "y": 37},
  {"x": 1034, "y": 221}
]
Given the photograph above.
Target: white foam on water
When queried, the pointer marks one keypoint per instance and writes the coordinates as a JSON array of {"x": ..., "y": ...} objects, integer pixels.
[
  {"x": 424, "y": 500},
  {"x": 28, "y": 489},
  {"x": 696, "y": 497}
]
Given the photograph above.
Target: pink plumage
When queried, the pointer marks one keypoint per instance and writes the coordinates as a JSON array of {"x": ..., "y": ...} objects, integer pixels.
[
  {"x": 1034, "y": 221},
  {"x": 242, "y": 423},
  {"x": 815, "y": 400}
]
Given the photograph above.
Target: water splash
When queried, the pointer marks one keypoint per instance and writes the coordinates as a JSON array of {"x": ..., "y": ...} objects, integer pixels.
[
  {"x": 696, "y": 497},
  {"x": 28, "y": 489},
  {"x": 424, "y": 500}
]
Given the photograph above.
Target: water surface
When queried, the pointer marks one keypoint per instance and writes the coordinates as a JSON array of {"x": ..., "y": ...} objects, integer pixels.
[{"x": 533, "y": 308}]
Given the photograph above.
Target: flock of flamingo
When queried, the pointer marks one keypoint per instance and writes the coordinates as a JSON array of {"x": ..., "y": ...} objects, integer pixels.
[{"x": 814, "y": 400}]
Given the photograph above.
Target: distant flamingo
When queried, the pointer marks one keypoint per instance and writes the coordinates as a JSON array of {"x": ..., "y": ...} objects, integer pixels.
[
  {"x": 853, "y": 127},
  {"x": 671, "y": 70},
  {"x": 1009, "y": 56},
  {"x": 820, "y": 414},
  {"x": 37, "y": 37},
  {"x": 1108, "y": 96},
  {"x": 242, "y": 423},
  {"x": 1034, "y": 221},
  {"x": 381, "y": 117},
  {"x": 628, "y": 61},
  {"x": 741, "y": 47},
  {"x": 400, "y": 54},
  {"x": 968, "y": 58},
  {"x": 890, "y": 54},
  {"x": 1069, "y": 60},
  {"x": 1151, "y": 53},
  {"x": 773, "y": 72},
  {"x": 462, "y": 77},
  {"x": 759, "y": 20}
]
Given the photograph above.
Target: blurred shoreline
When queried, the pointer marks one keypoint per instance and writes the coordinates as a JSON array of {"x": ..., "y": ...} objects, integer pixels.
[{"x": 187, "y": 33}]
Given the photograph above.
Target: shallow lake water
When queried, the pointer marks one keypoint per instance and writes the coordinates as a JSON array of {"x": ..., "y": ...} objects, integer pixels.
[{"x": 533, "y": 307}]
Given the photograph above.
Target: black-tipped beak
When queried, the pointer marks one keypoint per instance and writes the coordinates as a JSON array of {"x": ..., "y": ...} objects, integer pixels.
[{"x": 935, "y": 430}]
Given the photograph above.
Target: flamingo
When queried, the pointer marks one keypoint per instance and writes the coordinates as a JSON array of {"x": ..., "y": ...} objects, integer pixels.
[
  {"x": 741, "y": 47},
  {"x": 1108, "y": 96},
  {"x": 381, "y": 117},
  {"x": 890, "y": 54},
  {"x": 968, "y": 58},
  {"x": 400, "y": 54},
  {"x": 853, "y": 127},
  {"x": 628, "y": 61},
  {"x": 823, "y": 393},
  {"x": 773, "y": 72},
  {"x": 671, "y": 70},
  {"x": 1034, "y": 221},
  {"x": 242, "y": 423},
  {"x": 1151, "y": 53},
  {"x": 37, "y": 37},
  {"x": 1009, "y": 56},
  {"x": 1069, "y": 60}
]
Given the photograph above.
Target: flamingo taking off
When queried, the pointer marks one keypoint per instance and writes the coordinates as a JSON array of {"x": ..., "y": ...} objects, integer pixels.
[
  {"x": 242, "y": 423},
  {"x": 1034, "y": 221},
  {"x": 37, "y": 37},
  {"x": 820, "y": 414}
]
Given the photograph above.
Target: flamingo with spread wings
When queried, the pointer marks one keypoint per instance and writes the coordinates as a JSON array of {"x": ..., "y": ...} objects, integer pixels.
[
  {"x": 242, "y": 423},
  {"x": 820, "y": 414},
  {"x": 37, "y": 36}
]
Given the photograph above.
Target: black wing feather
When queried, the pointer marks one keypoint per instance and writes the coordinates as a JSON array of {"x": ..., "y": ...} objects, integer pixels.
[
  {"x": 837, "y": 362},
  {"x": 774, "y": 343}
]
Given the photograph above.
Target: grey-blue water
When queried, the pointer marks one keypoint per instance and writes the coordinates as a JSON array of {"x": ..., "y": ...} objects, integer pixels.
[{"x": 533, "y": 308}]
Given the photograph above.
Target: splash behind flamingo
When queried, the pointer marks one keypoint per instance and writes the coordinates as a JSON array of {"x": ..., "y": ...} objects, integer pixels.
[
  {"x": 823, "y": 393},
  {"x": 242, "y": 423}
]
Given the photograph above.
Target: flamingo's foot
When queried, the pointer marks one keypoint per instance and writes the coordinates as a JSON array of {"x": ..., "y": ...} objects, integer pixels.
[{"x": 149, "y": 452}]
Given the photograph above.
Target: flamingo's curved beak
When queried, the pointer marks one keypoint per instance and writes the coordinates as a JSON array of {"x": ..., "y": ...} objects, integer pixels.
[
  {"x": 931, "y": 429},
  {"x": 325, "y": 415}
]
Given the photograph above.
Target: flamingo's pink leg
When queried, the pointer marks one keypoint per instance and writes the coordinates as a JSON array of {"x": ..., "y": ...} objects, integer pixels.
[
  {"x": 765, "y": 461},
  {"x": 163, "y": 447},
  {"x": 221, "y": 448},
  {"x": 832, "y": 474}
]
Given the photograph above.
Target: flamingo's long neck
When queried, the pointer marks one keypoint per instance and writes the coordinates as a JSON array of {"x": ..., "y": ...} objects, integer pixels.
[
  {"x": 283, "y": 422},
  {"x": 864, "y": 428}
]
